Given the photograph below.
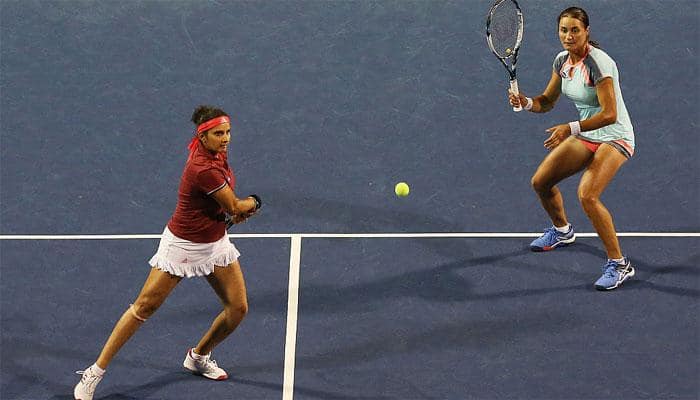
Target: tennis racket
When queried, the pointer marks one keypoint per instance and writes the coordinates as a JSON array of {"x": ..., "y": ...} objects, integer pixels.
[{"x": 504, "y": 34}]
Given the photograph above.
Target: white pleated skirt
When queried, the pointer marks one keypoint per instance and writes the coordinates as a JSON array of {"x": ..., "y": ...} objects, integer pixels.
[{"x": 181, "y": 257}]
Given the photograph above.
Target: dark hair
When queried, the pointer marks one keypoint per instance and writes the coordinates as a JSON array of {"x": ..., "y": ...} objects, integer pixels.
[
  {"x": 205, "y": 113},
  {"x": 581, "y": 15}
]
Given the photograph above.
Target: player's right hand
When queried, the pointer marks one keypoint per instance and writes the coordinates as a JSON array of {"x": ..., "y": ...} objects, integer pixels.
[
  {"x": 236, "y": 218},
  {"x": 515, "y": 101}
]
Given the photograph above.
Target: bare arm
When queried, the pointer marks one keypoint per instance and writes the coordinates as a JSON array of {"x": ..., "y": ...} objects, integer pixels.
[
  {"x": 232, "y": 204},
  {"x": 608, "y": 107},
  {"x": 544, "y": 102},
  {"x": 606, "y": 116}
]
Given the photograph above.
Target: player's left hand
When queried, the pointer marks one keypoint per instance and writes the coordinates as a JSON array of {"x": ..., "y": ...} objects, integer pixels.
[{"x": 558, "y": 134}]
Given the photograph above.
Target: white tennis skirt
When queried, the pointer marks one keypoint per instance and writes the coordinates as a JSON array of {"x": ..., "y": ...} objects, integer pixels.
[{"x": 181, "y": 257}]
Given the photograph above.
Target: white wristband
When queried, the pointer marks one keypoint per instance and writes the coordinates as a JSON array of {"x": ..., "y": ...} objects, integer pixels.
[
  {"x": 528, "y": 105},
  {"x": 575, "y": 127}
]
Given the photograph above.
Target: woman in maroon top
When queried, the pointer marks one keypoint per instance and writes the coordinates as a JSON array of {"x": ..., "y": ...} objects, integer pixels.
[{"x": 194, "y": 243}]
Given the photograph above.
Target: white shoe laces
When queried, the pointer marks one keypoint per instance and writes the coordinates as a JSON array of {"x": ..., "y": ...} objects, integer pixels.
[
  {"x": 89, "y": 380},
  {"x": 209, "y": 365}
]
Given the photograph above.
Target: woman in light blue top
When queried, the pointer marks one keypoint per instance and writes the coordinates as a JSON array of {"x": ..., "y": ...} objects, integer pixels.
[{"x": 599, "y": 142}]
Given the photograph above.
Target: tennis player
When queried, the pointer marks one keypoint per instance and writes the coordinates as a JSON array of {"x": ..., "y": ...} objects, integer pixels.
[
  {"x": 194, "y": 243},
  {"x": 598, "y": 143}
]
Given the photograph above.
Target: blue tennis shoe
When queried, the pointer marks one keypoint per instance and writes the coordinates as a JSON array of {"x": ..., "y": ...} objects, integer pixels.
[
  {"x": 614, "y": 274},
  {"x": 552, "y": 238}
]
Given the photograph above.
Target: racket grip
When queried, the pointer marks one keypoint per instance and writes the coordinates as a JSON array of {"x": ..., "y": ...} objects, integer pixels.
[{"x": 515, "y": 91}]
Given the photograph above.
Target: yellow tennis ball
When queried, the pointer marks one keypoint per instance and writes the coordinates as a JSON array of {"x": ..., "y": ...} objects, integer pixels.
[
  {"x": 401, "y": 189},
  {"x": 508, "y": 51}
]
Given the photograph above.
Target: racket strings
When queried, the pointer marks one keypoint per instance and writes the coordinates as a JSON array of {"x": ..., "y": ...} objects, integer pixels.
[{"x": 504, "y": 28}]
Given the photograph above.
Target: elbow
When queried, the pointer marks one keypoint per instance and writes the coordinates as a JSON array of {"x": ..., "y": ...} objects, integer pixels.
[
  {"x": 609, "y": 118},
  {"x": 545, "y": 104}
]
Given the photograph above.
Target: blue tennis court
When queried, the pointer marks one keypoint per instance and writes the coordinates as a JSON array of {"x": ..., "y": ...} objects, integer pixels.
[{"x": 353, "y": 292}]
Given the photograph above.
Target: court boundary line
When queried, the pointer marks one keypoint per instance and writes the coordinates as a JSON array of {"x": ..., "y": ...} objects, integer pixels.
[
  {"x": 481, "y": 235},
  {"x": 292, "y": 312}
]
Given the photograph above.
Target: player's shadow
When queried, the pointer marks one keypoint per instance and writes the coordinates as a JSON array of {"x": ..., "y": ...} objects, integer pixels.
[
  {"x": 126, "y": 392},
  {"x": 158, "y": 384},
  {"x": 645, "y": 272},
  {"x": 339, "y": 216},
  {"x": 470, "y": 335},
  {"x": 29, "y": 347},
  {"x": 447, "y": 283},
  {"x": 114, "y": 396},
  {"x": 304, "y": 391},
  {"x": 444, "y": 283}
]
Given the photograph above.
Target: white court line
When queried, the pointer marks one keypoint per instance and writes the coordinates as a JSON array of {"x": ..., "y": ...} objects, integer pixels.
[
  {"x": 292, "y": 308},
  {"x": 487, "y": 235},
  {"x": 350, "y": 235},
  {"x": 136, "y": 236}
]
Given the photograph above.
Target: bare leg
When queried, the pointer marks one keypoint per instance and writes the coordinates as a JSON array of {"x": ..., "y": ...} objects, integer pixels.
[
  {"x": 229, "y": 285},
  {"x": 570, "y": 157},
  {"x": 606, "y": 162},
  {"x": 155, "y": 290}
]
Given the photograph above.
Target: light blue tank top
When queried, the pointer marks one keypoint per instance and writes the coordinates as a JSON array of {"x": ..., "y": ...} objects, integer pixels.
[{"x": 578, "y": 84}]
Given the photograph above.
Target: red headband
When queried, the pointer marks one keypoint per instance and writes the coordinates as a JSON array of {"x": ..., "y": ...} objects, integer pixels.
[{"x": 205, "y": 126}]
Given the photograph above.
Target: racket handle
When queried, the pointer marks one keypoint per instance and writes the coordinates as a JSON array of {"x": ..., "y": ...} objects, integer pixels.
[{"x": 515, "y": 91}]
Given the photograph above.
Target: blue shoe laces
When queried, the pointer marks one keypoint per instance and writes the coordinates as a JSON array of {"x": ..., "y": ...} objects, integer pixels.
[
  {"x": 551, "y": 234},
  {"x": 610, "y": 269}
]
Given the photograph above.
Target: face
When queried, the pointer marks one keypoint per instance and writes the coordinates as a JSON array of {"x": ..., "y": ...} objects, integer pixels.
[
  {"x": 572, "y": 34},
  {"x": 217, "y": 138}
]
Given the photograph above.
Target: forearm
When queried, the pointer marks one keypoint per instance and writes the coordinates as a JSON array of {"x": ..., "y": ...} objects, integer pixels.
[
  {"x": 541, "y": 104},
  {"x": 240, "y": 206},
  {"x": 597, "y": 121},
  {"x": 246, "y": 205},
  {"x": 232, "y": 204}
]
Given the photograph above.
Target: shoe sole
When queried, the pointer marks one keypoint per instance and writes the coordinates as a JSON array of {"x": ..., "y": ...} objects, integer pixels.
[
  {"x": 194, "y": 372},
  {"x": 561, "y": 243},
  {"x": 618, "y": 283}
]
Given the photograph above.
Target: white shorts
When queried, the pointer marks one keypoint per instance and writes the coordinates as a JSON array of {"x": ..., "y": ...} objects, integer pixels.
[{"x": 181, "y": 257}]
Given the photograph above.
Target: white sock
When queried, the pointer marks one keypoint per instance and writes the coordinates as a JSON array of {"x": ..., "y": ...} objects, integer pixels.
[
  {"x": 96, "y": 368},
  {"x": 563, "y": 229},
  {"x": 198, "y": 356},
  {"x": 618, "y": 260}
]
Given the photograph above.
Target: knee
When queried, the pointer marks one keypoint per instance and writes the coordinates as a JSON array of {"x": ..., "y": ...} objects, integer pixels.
[
  {"x": 145, "y": 307},
  {"x": 588, "y": 200},
  {"x": 539, "y": 184},
  {"x": 233, "y": 315},
  {"x": 236, "y": 312},
  {"x": 241, "y": 309}
]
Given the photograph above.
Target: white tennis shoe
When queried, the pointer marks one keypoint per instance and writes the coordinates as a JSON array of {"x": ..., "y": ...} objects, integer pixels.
[
  {"x": 85, "y": 389},
  {"x": 205, "y": 367}
]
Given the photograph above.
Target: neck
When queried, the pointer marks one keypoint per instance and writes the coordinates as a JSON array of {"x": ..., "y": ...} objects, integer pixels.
[{"x": 578, "y": 54}]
